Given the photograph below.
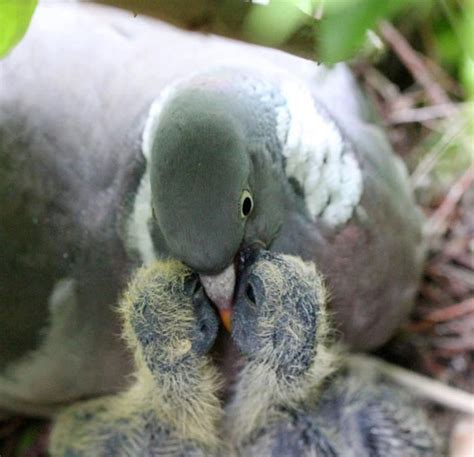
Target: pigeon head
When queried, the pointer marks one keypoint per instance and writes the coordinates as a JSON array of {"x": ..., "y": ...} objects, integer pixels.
[
  {"x": 207, "y": 193},
  {"x": 200, "y": 181}
]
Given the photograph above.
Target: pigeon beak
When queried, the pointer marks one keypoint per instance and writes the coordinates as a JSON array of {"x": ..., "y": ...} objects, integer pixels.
[
  {"x": 220, "y": 290},
  {"x": 226, "y": 318}
]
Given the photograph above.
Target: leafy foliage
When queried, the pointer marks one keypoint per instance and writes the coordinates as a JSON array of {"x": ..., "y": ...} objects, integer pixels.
[
  {"x": 15, "y": 16},
  {"x": 339, "y": 28}
]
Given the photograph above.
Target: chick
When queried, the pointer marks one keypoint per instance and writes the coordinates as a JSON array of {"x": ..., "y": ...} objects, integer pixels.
[
  {"x": 172, "y": 408},
  {"x": 297, "y": 394}
]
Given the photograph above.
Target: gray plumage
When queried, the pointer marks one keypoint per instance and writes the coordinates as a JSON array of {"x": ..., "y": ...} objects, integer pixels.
[
  {"x": 297, "y": 395},
  {"x": 171, "y": 409},
  {"x": 76, "y": 219}
]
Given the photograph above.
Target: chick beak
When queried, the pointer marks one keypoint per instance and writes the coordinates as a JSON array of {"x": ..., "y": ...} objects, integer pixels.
[{"x": 220, "y": 289}]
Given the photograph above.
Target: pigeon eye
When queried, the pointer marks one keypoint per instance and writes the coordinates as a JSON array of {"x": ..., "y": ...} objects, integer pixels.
[{"x": 246, "y": 204}]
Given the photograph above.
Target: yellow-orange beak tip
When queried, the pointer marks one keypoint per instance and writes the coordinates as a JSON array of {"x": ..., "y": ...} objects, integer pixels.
[{"x": 226, "y": 318}]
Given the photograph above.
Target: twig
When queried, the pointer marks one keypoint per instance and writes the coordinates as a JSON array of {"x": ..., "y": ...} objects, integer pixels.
[
  {"x": 384, "y": 87},
  {"x": 451, "y": 312},
  {"x": 454, "y": 344},
  {"x": 462, "y": 327},
  {"x": 449, "y": 83},
  {"x": 459, "y": 278},
  {"x": 427, "y": 164},
  {"x": 436, "y": 391},
  {"x": 437, "y": 223},
  {"x": 446, "y": 314},
  {"x": 418, "y": 327},
  {"x": 427, "y": 113},
  {"x": 414, "y": 63}
]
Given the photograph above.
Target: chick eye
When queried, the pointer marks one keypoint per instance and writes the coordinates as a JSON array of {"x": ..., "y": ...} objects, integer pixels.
[{"x": 246, "y": 204}]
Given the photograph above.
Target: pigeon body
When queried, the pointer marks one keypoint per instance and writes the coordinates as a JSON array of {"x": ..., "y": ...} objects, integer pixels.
[{"x": 116, "y": 151}]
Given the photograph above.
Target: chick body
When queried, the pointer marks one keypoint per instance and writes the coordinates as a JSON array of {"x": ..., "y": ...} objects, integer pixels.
[
  {"x": 298, "y": 395},
  {"x": 171, "y": 408}
]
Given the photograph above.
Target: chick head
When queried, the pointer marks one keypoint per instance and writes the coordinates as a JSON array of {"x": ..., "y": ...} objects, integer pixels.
[
  {"x": 280, "y": 314},
  {"x": 169, "y": 322}
]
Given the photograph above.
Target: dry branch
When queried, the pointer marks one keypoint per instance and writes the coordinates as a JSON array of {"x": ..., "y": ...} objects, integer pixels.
[
  {"x": 452, "y": 312},
  {"x": 455, "y": 130},
  {"x": 427, "y": 113},
  {"x": 436, "y": 391},
  {"x": 438, "y": 221},
  {"x": 414, "y": 63}
]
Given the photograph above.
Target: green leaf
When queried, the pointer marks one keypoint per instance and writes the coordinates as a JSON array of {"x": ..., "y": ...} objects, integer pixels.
[
  {"x": 343, "y": 29},
  {"x": 272, "y": 24},
  {"x": 15, "y": 16},
  {"x": 447, "y": 46},
  {"x": 338, "y": 28}
]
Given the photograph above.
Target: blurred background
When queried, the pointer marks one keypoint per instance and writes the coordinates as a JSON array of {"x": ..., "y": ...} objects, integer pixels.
[{"x": 415, "y": 60}]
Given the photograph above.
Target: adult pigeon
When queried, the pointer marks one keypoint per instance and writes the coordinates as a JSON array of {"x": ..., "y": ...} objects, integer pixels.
[{"x": 123, "y": 140}]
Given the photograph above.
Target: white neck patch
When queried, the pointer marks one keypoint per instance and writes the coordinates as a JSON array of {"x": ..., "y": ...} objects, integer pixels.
[
  {"x": 138, "y": 231},
  {"x": 318, "y": 157},
  {"x": 154, "y": 115}
]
